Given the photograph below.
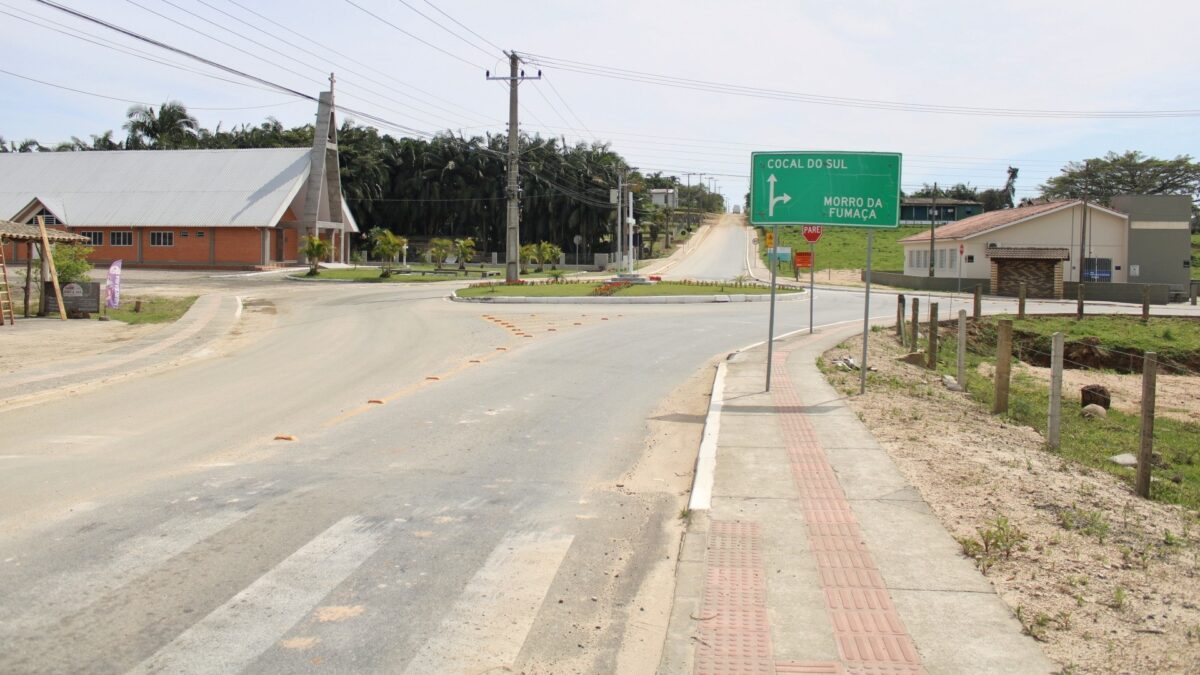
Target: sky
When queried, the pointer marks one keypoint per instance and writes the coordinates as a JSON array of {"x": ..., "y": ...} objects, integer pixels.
[{"x": 420, "y": 65}]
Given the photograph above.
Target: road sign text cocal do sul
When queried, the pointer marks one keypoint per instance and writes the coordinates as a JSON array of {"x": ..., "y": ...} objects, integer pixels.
[{"x": 856, "y": 189}]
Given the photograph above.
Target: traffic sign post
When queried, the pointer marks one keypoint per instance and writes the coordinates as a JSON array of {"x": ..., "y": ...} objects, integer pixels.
[
  {"x": 851, "y": 189},
  {"x": 960, "y": 261}
]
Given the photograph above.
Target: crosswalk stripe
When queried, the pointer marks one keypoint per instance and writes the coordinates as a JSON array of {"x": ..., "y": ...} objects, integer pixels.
[
  {"x": 60, "y": 595},
  {"x": 491, "y": 619},
  {"x": 234, "y": 634}
]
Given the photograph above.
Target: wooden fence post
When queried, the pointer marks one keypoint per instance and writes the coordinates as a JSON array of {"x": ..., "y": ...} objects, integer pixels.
[
  {"x": 1146, "y": 449},
  {"x": 916, "y": 321},
  {"x": 1079, "y": 302},
  {"x": 900, "y": 317},
  {"x": 1003, "y": 365},
  {"x": 1145, "y": 303},
  {"x": 933, "y": 335},
  {"x": 1021, "y": 301},
  {"x": 978, "y": 301},
  {"x": 1054, "y": 422},
  {"x": 962, "y": 349}
]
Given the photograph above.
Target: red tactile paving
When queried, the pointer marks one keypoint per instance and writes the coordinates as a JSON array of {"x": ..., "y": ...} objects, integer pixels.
[
  {"x": 734, "y": 636},
  {"x": 870, "y": 636}
]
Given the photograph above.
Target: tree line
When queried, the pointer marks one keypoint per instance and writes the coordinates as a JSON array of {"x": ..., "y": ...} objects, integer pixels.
[{"x": 447, "y": 186}]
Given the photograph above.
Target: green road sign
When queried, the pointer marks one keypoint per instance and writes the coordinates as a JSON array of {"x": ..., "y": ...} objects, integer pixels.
[{"x": 856, "y": 189}]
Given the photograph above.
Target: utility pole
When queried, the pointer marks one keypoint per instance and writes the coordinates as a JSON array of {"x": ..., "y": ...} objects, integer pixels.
[
  {"x": 932, "y": 218},
  {"x": 512, "y": 261},
  {"x": 619, "y": 225}
]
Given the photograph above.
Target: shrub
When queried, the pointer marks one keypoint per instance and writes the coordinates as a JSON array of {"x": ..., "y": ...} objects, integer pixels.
[{"x": 71, "y": 263}]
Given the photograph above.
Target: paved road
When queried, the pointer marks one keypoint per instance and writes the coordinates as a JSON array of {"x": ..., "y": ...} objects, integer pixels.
[
  {"x": 500, "y": 508},
  {"x": 154, "y": 525},
  {"x": 719, "y": 256}
]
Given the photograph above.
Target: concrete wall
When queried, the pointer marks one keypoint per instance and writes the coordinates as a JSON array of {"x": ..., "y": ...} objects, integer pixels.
[
  {"x": 1159, "y": 293},
  {"x": 926, "y": 283},
  {"x": 1159, "y": 237}
]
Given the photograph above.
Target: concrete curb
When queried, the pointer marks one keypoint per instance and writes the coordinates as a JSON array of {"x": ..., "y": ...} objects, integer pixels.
[
  {"x": 706, "y": 459},
  {"x": 642, "y": 300}
]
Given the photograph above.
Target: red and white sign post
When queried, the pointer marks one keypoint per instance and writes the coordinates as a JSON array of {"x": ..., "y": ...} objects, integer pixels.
[
  {"x": 812, "y": 233},
  {"x": 960, "y": 263}
]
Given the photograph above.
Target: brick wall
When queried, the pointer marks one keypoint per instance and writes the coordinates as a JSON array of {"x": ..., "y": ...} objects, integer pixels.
[{"x": 1038, "y": 276}]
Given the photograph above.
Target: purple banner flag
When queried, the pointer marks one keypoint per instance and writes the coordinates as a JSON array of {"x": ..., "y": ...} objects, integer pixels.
[{"x": 114, "y": 285}]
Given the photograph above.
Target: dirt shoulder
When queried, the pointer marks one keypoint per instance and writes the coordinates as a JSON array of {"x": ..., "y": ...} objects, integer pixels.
[{"x": 1106, "y": 581}]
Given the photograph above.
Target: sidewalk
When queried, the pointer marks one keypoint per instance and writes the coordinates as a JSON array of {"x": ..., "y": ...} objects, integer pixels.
[
  {"x": 815, "y": 555},
  {"x": 209, "y": 318}
]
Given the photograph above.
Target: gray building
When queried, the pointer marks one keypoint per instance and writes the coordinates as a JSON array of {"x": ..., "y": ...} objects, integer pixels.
[
  {"x": 1160, "y": 243},
  {"x": 667, "y": 197}
]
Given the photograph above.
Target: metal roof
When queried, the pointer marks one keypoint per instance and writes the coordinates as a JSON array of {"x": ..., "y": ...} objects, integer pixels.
[{"x": 164, "y": 188}]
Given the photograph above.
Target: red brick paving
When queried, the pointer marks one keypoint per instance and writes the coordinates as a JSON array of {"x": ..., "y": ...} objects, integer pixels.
[
  {"x": 870, "y": 636},
  {"x": 735, "y": 635}
]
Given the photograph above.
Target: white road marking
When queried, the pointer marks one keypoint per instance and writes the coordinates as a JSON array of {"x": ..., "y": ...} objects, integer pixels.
[
  {"x": 491, "y": 619},
  {"x": 60, "y": 595},
  {"x": 236, "y": 633}
]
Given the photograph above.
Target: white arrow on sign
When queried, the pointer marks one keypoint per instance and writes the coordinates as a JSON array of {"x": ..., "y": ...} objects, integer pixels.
[{"x": 785, "y": 198}]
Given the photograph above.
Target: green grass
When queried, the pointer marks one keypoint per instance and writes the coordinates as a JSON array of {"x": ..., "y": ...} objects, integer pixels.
[
  {"x": 154, "y": 309},
  {"x": 571, "y": 289},
  {"x": 1092, "y": 442},
  {"x": 843, "y": 248},
  {"x": 371, "y": 275},
  {"x": 1165, "y": 335}
]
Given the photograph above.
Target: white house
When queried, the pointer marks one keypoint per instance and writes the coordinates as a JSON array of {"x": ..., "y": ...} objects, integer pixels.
[{"x": 1040, "y": 245}]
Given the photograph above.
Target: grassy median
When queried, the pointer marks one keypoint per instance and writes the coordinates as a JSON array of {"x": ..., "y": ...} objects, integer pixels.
[{"x": 155, "y": 309}]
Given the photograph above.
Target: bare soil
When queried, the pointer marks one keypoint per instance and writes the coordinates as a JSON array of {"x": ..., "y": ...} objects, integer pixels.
[{"x": 1119, "y": 595}]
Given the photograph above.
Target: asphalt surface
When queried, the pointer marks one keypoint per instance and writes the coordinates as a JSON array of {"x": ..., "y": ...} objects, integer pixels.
[
  {"x": 469, "y": 521},
  {"x": 155, "y": 525}
]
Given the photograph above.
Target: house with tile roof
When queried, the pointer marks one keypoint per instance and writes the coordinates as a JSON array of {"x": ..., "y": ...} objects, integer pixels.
[{"x": 1052, "y": 245}]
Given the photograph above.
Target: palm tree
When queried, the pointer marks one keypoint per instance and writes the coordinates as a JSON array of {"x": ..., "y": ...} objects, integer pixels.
[
  {"x": 463, "y": 250},
  {"x": 548, "y": 252},
  {"x": 439, "y": 249},
  {"x": 315, "y": 248},
  {"x": 386, "y": 246},
  {"x": 529, "y": 253},
  {"x": 168, "y": 129}
]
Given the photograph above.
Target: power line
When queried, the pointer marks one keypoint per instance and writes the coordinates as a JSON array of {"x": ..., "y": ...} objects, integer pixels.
[
  {"x": 363, "y": 64},
  {"x": 91, "y": 38},
  {"x": 126, "y": 100},
  {"x": 418, "y": 39},
  {"x": 341, "y": 67},
  {"x": 569, "y": 109},
  {"x": 870, "y": 104},
  {"x": 219, "y": 66},
  {"x": 460, "y": 25},
  {"x": 434, "y": 22}
]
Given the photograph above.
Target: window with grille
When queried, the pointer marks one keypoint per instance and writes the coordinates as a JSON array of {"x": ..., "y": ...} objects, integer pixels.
[
  {"x": 120, "y": 239},
  {"x": 162, "y": 238},
  {"x": 51, "y": 219},
  {"x": 94, "y": 238}
]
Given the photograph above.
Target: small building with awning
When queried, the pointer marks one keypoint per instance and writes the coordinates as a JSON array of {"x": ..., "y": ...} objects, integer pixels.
[
  {"x": 1052, "y": 246},
  {"x": 1038, "y": 245}
]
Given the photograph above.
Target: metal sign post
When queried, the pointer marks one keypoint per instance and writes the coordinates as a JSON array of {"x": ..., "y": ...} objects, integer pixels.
[
  {"x": 812, "y": 266},
  {"x": 852, "y": 189},
  {"x": 771, "y": 323},
  {"x": 862, "y": 370}
]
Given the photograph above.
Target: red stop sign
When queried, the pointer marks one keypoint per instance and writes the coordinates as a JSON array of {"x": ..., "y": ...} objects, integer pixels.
[{"x": 812, "y": 233}]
